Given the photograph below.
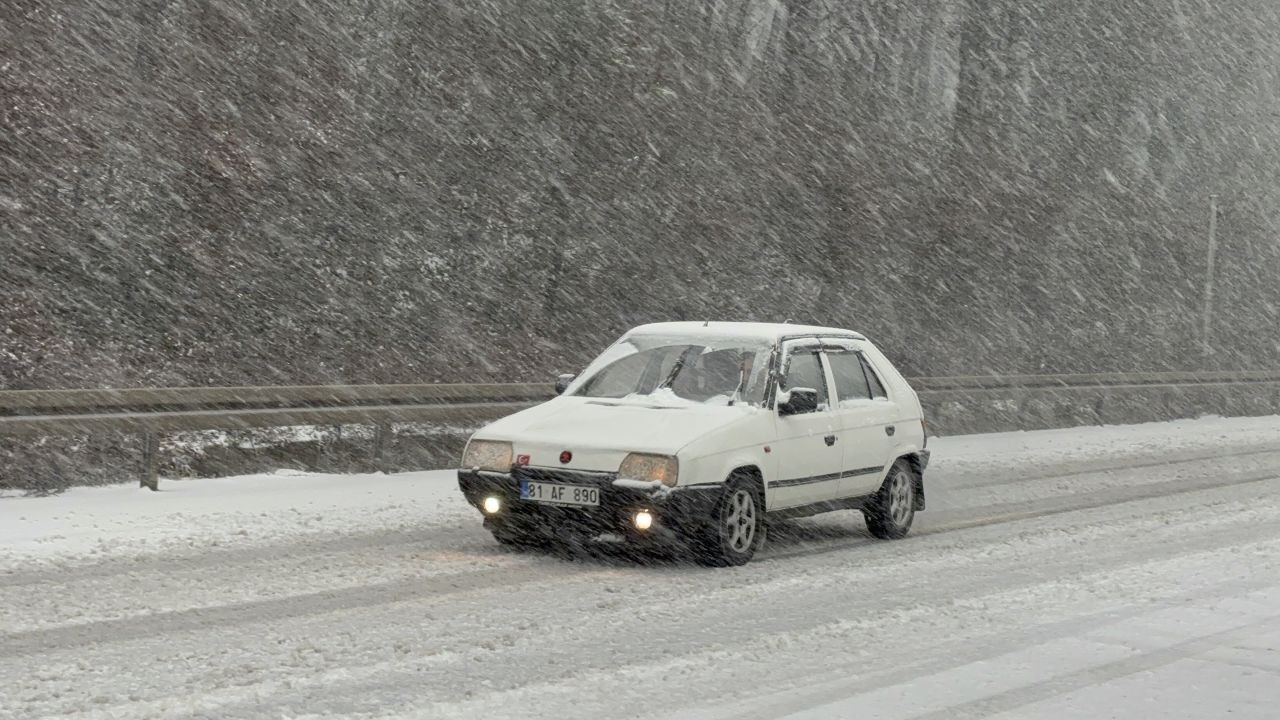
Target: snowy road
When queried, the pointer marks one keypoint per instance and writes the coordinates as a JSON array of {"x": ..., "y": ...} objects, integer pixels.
[{"x": 1121, "y": 571}]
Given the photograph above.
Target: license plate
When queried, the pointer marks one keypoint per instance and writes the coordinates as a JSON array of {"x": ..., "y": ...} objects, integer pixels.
[{"x": 559, "y": 494}]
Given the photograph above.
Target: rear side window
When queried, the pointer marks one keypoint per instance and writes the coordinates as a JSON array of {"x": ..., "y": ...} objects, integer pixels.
[
  {"x": 851, "y": 379},
  {"x": 873, "y": 380}
]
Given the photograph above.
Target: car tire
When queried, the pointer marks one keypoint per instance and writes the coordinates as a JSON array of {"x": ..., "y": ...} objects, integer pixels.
[
  {"x": 891, "y": 512},
  {"x": 736, "y": 529}
]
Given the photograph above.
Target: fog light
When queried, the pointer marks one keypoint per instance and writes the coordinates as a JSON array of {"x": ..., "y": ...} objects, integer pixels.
[
  {"x": 492, "y": 505},
  {"x": 643, "y": 520}
]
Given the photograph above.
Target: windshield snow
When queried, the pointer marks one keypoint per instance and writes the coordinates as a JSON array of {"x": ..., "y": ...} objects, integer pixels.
[{"x": 676, "y": 370}]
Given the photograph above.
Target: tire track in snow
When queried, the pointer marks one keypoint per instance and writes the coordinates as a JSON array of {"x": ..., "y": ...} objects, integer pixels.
[
  {"x": 231, "y": 556},
  {"x": 825, "y": 696},
  {"x": 1098, "y": 674},
  {"x": 21, "y": 644}
]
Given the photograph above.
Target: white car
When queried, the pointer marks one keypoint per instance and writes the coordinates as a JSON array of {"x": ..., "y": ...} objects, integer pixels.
[{"x": 696, "y": 431}]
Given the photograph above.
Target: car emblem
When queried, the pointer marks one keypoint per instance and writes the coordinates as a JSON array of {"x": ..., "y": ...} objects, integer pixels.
[
  {"x": 522, "y": 459},
  {"x": 566, "y": 456}
]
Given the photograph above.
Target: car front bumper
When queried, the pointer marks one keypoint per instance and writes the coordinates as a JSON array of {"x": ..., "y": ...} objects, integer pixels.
[{"x": 676, "y": 511}]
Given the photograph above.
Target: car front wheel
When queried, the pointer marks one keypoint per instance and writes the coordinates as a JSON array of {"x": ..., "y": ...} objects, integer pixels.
[
  {"x": 736, "y": 530},
  {"x": 890, "y": 514}
]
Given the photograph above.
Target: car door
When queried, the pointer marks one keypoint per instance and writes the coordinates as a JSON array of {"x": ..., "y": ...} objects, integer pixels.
[
  {"x": 865, "y": 415},
  {"x": 806, "y": 450}
]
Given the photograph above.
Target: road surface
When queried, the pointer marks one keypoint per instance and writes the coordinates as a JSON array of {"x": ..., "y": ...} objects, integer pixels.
[{"x": 1100, "y": 572}]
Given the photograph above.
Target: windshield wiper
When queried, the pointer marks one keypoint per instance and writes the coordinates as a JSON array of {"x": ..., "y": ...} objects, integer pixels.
[
  {"x": 737, "y": 391},
  {"x": 677, "y": 367}
]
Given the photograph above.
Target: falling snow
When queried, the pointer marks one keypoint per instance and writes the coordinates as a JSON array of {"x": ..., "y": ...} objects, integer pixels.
[
  {"x": 233, "y": 192},
  {"x": 238, "y": 193}
]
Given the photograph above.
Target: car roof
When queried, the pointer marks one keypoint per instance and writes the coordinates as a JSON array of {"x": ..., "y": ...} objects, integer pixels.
[{"x": 751, "y": 330}]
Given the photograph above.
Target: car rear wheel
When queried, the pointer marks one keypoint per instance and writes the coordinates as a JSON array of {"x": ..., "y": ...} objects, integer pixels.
[
  {"x": 736, "y": 529},
  {"x": 890, "y": 514}
]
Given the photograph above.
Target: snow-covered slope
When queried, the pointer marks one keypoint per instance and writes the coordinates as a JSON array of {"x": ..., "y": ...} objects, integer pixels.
[{"x": 1127, "y": 571}]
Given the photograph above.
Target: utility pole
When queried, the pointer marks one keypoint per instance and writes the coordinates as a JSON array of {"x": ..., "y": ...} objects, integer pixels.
[{"x": 1207, "y": 317}]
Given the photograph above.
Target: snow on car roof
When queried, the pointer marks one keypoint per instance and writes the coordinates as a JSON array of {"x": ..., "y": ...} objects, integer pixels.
[{"x": 754, "y": 330}]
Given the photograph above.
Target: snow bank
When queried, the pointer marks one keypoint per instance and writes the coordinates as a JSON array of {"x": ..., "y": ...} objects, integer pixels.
[
  {"x": 94, "y": 523},
  {"x": 1114, "y": 442}
]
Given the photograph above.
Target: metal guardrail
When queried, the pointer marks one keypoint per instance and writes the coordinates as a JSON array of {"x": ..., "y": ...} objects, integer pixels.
[
  {"x": 150, "y": 412},
  {"x": 58, "y": 401},
  {"x": 1092, "y": 382}
]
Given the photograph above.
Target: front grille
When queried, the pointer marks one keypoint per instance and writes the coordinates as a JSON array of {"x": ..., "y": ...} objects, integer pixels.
[
  {"x": 572, "y": 477},
  {"x": 607, "y": 517}
]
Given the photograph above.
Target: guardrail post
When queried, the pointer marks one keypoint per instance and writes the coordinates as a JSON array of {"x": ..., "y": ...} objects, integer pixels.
[
  {"x": 150, "y": 462},
  {"x": 380, "y": 433}
]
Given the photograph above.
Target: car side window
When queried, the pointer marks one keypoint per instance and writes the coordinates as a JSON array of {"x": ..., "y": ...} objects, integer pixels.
[
  {"x": 873, "y": 380},
  {"x": 851, "y": 379},
  {"x": 804, "y": 370}
]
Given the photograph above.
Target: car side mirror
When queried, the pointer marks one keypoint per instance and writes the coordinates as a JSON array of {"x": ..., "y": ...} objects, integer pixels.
[
  {"x": 798, "y": 401},
  {"x": 563, "y": 382}
]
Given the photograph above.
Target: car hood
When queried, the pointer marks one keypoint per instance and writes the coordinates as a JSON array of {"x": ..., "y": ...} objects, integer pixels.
[{"x": 600, "y": 424}]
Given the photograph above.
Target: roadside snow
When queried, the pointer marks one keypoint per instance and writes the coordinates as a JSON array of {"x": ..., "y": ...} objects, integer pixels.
[
  {"x": 93, "y": 524},
  {"x": 96, "y": 523},
  {"x": 1104, "y": 442}
]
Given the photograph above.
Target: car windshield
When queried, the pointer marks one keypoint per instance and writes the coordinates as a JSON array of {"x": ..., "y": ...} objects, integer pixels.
[{"x": 709, "y": 371}]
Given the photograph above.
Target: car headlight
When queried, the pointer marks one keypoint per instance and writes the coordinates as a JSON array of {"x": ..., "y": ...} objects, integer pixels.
[
  {"x": 654, "y": 468},
  {"x": 492, "y": 455}
]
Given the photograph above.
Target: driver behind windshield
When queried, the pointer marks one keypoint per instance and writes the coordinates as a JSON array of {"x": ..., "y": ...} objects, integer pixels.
[{"x": 708, "y": 375}]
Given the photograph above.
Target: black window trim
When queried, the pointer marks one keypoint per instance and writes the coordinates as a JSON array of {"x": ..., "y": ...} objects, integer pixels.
[
  {"x": 784, "y": 364},
  {"x": 867, "y": 365},
  {"x": 775, "y": 358},
  {"x": 862, "y": 359},
  {"x": 836, "y": 350}
]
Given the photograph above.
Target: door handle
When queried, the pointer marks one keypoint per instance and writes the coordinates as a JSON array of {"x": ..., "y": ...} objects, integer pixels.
[
  {"x": 890, "y": 430},
  {"x": 830, "y": 440}
]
